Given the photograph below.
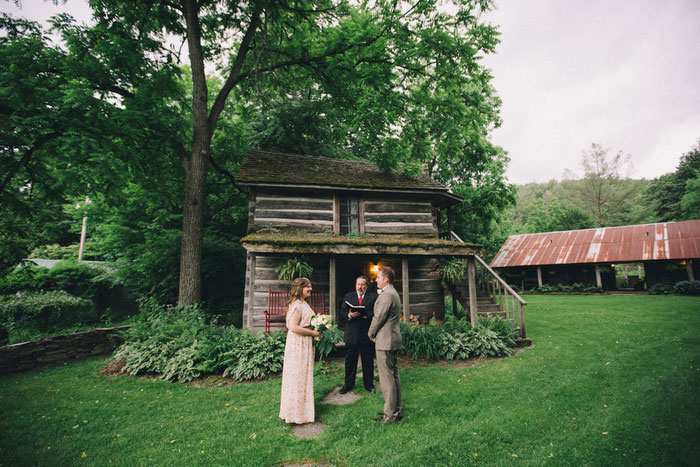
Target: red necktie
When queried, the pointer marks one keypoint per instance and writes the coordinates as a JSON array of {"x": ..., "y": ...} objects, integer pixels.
[{"x": 360, "y": 299}]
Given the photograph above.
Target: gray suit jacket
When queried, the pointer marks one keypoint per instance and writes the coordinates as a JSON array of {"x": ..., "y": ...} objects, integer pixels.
[{"x": 385, "y": 324}]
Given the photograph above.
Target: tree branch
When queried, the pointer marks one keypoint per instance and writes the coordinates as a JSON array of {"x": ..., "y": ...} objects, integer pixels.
[
  {"x": 227, "y": 174},
  {"x": 27, "y": 156},
  {"x": 234, "y": 76}
]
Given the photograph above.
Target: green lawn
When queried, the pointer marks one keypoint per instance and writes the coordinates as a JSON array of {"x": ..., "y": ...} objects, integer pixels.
[{"x": 609, "y": 380}]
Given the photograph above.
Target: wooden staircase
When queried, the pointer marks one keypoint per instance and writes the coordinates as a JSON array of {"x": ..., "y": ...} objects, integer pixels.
[{"x": 491, "y": 295}]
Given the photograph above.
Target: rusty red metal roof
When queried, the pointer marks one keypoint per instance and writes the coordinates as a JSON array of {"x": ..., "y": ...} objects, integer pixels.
[{"x": 629, "y": 243}]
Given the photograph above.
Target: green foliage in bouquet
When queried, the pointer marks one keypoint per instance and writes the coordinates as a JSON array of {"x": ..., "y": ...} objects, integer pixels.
[{"x": 326, "y": 344}]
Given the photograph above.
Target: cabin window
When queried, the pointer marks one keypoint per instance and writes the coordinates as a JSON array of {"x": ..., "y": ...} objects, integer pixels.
[{"x": 349, "y": 215}]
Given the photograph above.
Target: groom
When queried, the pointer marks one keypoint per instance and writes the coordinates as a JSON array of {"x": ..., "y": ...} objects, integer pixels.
[{"x": 385, "y": 333}]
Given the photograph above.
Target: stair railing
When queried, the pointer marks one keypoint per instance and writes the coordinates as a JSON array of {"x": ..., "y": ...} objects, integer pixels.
[
  {"x": 490, "y": 282},
  {"x": 482, "y": 277}
]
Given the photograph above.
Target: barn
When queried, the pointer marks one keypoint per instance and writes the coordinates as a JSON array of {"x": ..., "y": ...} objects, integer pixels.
[{"x": 669, "y": 252}]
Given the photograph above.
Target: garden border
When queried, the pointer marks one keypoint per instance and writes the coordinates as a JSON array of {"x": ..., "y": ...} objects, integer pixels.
[{"x": 58, "y": 349}]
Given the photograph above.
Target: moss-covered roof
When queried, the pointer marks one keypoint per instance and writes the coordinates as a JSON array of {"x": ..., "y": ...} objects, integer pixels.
[
  {"x": 304, "y": 242},
  {"x": 260, "y": 167}
]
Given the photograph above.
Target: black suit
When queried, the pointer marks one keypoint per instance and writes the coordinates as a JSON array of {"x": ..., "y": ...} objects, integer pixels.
[{"x": 356, "y": 339}]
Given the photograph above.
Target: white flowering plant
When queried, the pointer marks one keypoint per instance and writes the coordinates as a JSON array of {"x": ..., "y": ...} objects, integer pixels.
[{"x": 330, "y": 334}]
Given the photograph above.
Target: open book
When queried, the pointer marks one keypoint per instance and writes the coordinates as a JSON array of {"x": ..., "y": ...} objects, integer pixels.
[{"x": 354, "y": 307}]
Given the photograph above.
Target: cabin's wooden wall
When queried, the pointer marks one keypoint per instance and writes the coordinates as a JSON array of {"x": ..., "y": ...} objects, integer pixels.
[
  {"x": 280, "y": 212},
  {"x": 266, "y": 279},
  {"x": 425, "y": 291},
  {"x": 398, "y": 216},
  {"x": 318, "y": 212}
]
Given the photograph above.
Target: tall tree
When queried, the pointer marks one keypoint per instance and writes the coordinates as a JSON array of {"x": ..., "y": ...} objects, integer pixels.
[
  {"x": 665, "y": 194},
  {"x": 392, "y": 62},
  {"x": 602, "y": 189}
]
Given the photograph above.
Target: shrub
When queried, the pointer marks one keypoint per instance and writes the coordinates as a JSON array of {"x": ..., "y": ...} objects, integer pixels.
[
  {"x": 456, "y": 339},
  {"x": 592, "y": 288},
  {"x": 660, "y": 289},
  {"x": 96, "y": 284},
  {"x": 515, "y": 287},
  {"x": 21, "y": 278},
  {"x": 181, "y": 343},
  {"x": 504, "y": 329},
  {"x": 4, "y": 335},
  {"x": 687, "y": 288},
  {"x": 44, "y": 311},
  {"x": 565, "y": 288},
  {"x": 546, "y": 288},
  {"x": 486, "y": 343},
  {"x": 419, "y": 342},
  {"x": 255, "y": 357}
]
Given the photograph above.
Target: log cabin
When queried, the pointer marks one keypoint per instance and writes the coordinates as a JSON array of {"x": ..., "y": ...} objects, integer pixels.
[{"x": 347, "y": 218}]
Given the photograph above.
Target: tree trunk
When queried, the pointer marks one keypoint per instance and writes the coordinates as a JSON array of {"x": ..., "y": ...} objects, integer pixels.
[
  {"x": 193, "y": 224},
  {"x": 196, "y": 167}
]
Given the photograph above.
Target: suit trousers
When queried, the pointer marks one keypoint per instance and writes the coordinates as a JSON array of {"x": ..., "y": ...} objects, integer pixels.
[
  {"x": 366, "y": 351},
  {"x": 388, "y": 366}
]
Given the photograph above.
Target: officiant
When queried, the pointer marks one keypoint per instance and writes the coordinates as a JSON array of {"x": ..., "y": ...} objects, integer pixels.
[{"x": 357, "y": 312}]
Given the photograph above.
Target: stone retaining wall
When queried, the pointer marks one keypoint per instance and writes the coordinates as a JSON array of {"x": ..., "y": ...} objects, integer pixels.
[{"x": 58, "y": 349}]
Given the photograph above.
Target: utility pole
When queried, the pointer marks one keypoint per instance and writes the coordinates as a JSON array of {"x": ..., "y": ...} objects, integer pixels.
[{"x": 82, "y": 232}]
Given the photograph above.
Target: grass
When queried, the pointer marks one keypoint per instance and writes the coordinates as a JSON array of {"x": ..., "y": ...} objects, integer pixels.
[{"x": 610, "y": 380}]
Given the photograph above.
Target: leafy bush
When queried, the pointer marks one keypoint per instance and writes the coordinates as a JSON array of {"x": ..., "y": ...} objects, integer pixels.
[
  {"x": 180, "y": 343},
  {"x": 592, "y": 288},
  {"x": 565, "y": 288},
  {"x": 419, "y": 342},
  {"x": 578, "y": 287},
  {"x": 486, "y": 343},
  {"x": 515, "y": 287},
  {"x": 455, "y": 346},
  {"x": 44, "y": 311},
  {"x": 96, "y": 284},
  {"x": 687, "y": 288},
  {"x": 55, "y": 251},
  {"x": 4, "y": 335},
  {"x": 456, "y": 339},
  {"x": 660, "y": 289},
  {"x": 504, "y": 329},
  {"x": 546, "y": 288},
  {"x": 255, "y": 357}
]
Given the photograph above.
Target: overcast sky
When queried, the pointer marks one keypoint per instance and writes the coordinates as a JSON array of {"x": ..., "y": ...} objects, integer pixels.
[{"x": 624, "y": 74}]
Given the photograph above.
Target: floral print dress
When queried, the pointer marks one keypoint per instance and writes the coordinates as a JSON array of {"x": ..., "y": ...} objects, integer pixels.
[{"x": 297, "y": 400}]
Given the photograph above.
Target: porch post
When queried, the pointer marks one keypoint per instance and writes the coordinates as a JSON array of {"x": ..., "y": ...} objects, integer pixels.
[
  {"x": 331, "y": 288},
  {"x": 251, "y": 293},
  {"x": 471, "y": 274},
  {"x": 450, "y": 223},
  {"x": 404, "y": 286},
  {"x": 689, "y": 268},
  {"x": 598, "y": 280},
  {"x": 539, "y": 276}
]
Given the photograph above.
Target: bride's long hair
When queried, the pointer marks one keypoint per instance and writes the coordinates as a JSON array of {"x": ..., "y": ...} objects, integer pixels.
[{"x": 296, "y": 291}]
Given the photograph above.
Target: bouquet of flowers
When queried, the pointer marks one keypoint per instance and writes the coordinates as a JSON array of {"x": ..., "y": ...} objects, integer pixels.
[{"x": 330, "y": 334}]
